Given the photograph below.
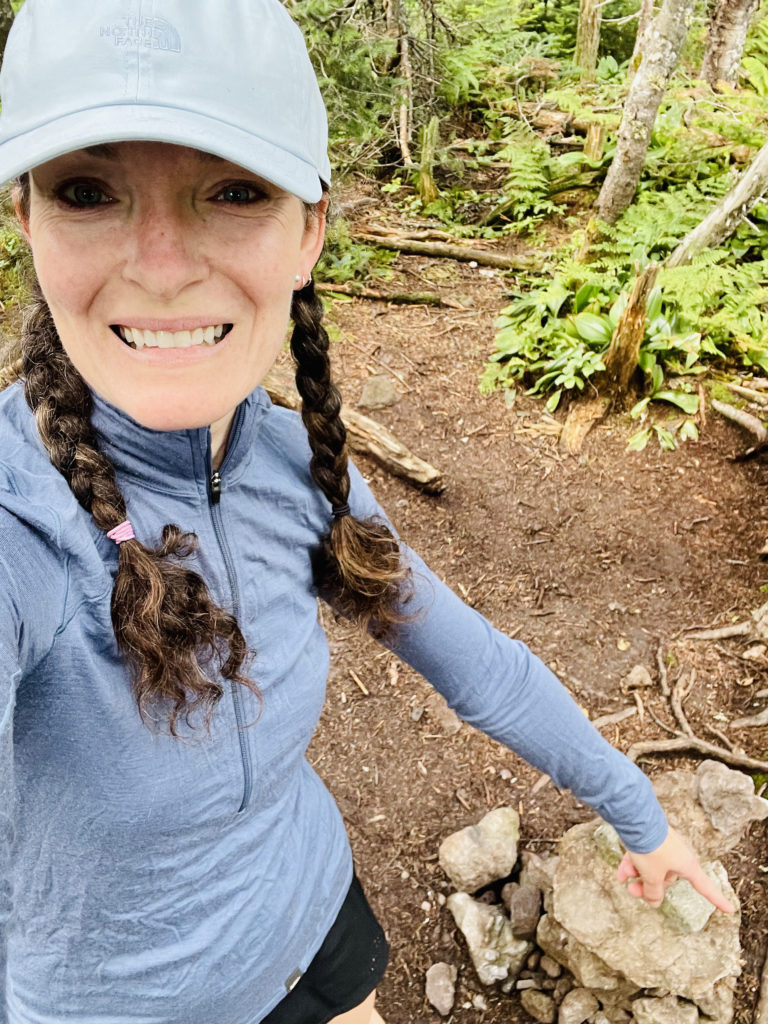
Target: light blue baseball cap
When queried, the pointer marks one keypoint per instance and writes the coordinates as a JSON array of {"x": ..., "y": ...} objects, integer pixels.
[{"x": 230, "y": 77}]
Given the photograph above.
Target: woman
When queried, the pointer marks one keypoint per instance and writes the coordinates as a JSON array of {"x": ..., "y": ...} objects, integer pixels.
[{"x": 166, "y": 852}]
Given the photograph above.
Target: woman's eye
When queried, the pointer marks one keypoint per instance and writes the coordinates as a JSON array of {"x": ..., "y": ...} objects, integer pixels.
[
  {"x": 240, "y": 194},
  {"x": 81, "y": 194}
]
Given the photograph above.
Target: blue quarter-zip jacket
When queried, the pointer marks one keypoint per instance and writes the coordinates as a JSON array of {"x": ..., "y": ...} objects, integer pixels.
[{"x": 151, "y": 880}]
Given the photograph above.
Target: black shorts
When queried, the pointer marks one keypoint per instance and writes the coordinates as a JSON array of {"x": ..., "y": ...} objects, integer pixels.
[{"x": 347, "y": 967}]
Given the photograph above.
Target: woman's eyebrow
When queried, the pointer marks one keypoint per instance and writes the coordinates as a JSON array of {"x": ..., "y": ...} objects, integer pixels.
[{"x": 109, "y": 152}]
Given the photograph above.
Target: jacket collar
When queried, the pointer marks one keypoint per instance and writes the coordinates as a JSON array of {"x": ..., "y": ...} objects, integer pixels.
[{"x": 175, "y": 461}]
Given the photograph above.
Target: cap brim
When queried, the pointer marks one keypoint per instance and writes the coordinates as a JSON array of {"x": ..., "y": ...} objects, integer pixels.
[{"x": 137, "y": 123}]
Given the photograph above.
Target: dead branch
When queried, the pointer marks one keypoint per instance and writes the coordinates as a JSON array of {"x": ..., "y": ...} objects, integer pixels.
[
  {"x": 365, "y": 435},
  {"x": 737, "y": 629},
  {"x": 751, "y": 721},
  {"x": 581, "y": 418},
  {"x": 446, "y": 251},
  {"x": 623, "y": 352},
  {"x": 758, "y": 397},
  {"x": 681, "y": 743},
  {"x": 744, "y": 419},
  {"x": 663, "y": 680},
  {"x": 680, "y": 691},
  {"x": 396, "y": 298}
]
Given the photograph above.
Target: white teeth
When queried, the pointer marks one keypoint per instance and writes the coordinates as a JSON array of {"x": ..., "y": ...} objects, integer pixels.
[{"x": 171, "y": 339}]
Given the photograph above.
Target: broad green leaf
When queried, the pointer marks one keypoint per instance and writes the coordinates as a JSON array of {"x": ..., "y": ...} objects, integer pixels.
[
  {"x": 657, "y": 378},
  {"x": 593, "y": 328},
  {"x": 584, "y": 296},
  {"x": 666, "y": 440},
  {"x": 554, "y": 400},
  {"x": 636, "y": 410},
  {"x": 688, "y": 403},
  {"x": 689, "y": 431},
  {"x": 654, "y": 304},
  {"x": 639, "y": 440}
]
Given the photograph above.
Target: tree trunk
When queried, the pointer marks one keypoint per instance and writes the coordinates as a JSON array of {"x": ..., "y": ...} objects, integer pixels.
[
  {"x": 644, "y": 19},
  {"x": 728, "y": 214},
  {"x": 726, "y": 36},
  {"x": 588, "y": 38},
  {"x": 6, "y": 20},
  {"x": 662, "y": 44}
]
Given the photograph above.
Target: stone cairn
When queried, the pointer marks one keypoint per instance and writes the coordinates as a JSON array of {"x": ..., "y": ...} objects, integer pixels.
[{"x": 572, "y": 942}]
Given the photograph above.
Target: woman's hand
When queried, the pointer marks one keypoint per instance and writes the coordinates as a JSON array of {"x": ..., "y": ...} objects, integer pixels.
[{"x": 655, "y": 870}]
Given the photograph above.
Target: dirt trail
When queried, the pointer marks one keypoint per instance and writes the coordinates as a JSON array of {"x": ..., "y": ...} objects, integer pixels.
[{"x": 596, "y": 562}]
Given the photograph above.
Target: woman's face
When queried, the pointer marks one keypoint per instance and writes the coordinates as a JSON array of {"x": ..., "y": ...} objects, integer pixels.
[{"x": 169, "y": 274}]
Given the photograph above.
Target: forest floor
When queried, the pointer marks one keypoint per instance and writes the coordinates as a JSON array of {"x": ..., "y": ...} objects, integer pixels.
[{"x": 597, "y": 562}]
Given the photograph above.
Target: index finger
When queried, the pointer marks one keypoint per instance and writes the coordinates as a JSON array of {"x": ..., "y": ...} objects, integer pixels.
[{"x": 703, "y": 884}]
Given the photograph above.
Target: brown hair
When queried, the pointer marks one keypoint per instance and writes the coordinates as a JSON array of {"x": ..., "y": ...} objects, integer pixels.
[{"x": 174, "y": 636}]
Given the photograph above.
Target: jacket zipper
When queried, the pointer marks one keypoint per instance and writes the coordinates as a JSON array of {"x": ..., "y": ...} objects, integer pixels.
[{"x": 214, "y": 498}]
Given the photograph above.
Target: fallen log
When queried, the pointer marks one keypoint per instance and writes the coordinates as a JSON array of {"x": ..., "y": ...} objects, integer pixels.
[
  {"x": 396, "y": 298},
  {"x": 451, "y": 252},
  {"x": 366, "y": 436}
]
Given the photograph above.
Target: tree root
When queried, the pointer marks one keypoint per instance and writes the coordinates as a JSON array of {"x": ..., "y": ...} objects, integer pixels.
[
  {"x": 744, "y": 419},
  {"x": 681, "y": 743}
]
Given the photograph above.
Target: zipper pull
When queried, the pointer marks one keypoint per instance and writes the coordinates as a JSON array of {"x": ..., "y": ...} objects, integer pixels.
[{"x": 215, "y": 483}]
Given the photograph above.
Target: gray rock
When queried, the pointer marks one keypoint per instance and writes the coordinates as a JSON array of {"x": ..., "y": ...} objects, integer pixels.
[
  {"x": 562, "y": 987},
  {"x": 577, "y": 1006},
  {"x": 378, "y": 393},
  {"x": 669, "y": 1010},
  {"x": 608, "y": 844},
  {"x": 687, "y": 909},
  {"x": 637, "y": 944},
  {"x": 539, "y": 1005},
  {"x": 523, "y": 903},
  {"x": 482, "y": 853},
  {"x": 537, "y": 871},
  {"x": 728, "y": 797},
  {"x": 441, "y": 987},
  {"x": 551, "y": 967},
  {"x": 494, "y": 950}
]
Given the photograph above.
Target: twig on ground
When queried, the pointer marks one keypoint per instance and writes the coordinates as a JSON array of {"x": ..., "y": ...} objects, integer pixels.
[
  {"x": 736, "y": 629},
  {"x": 744, "y": 419},
  {"x": 397, "y": 298},
  {"x": 751, "y": 720},
  {"x": 446, "y": 251},
  {"x": 682, "y": 743},
  {"x": 663, "y": 680},
  {"x": 680, "y": 691}
]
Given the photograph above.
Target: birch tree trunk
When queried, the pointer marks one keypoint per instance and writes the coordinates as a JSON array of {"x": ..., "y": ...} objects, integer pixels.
[
  {"x": 726, "y": 36},
  {"x": 644, "y": 19},
  {"x": 728, "y": 214},
  {"x": 662, "y": 44},
  {"x": 588, "y": 38}
]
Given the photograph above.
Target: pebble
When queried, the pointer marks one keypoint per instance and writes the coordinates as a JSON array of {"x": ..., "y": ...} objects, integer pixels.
[
  {"x": 577, "y": 1006},
  {"x": 550, "y": 967},
  {"x": 539, "y": 1005}
]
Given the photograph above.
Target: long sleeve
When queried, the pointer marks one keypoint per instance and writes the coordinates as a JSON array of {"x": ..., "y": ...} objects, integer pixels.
[
  {"x": 499, "y": 686},
  {"x": 9, "y": 677}
]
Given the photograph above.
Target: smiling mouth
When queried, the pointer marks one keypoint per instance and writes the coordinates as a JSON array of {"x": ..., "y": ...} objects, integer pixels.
[{"x": 138, "y": 339}]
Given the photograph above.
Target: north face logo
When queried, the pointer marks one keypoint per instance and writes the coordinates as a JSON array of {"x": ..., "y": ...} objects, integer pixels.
[{"x": 155, "y": 33}]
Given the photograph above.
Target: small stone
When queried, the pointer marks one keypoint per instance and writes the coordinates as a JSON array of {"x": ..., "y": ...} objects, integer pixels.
[
  {"x": 479, "y": 1002},
  {"x": 505, "y": 774},
  {"x": 378, "y": 393},
  {"x": 540, "y": 1006},
  {"x": 548, "y": 985},
  {"x": 441, "y": 899},
  {"x": 537, "y": 871},
  {"x": 482, "y": 853},
  {"x": 638, "y": 678},
  {"x": 523, "y": 983},
  {"x": 550, "y": 967},
  {"x": 523, "y": 903},
  {"x": 685, "y": 908},
  {"x": 601, "y": 1018},
  {"x": 669, "y": 1010},
  {"x": 728, "y": 797},
  {"x": 533, "y": 960},
  {"x": 578, "y": 1005},
  {"x": 608, "y": 844},
  {"x": 562, "y": 987},
  {"x": 441, "y": 987}
]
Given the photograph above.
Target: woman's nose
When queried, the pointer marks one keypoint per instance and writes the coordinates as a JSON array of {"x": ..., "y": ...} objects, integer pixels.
[{"x": 164, "y": 251}]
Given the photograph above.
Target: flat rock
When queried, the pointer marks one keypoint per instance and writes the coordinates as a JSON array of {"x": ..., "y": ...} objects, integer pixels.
[
  {"x": 479, "y": 854},
  {"x": 537, "y": 871},
  {"x": 668, "y": 1010},
  {"x": 445, "y": 718},
  {"x": 378, "y": 393},
  {"x": 539, "y": 1005},
  {"x": 441, "y": 987},
  {"x": 577, "y": 1006},
  {"x": 495, "y": 952}
]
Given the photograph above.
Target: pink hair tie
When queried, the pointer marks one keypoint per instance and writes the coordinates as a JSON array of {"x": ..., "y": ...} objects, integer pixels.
[{"x": 122, "y": 532}]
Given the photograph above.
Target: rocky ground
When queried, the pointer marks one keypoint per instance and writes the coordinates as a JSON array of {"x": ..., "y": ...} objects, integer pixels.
[{"x": 600, "y": 563}]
